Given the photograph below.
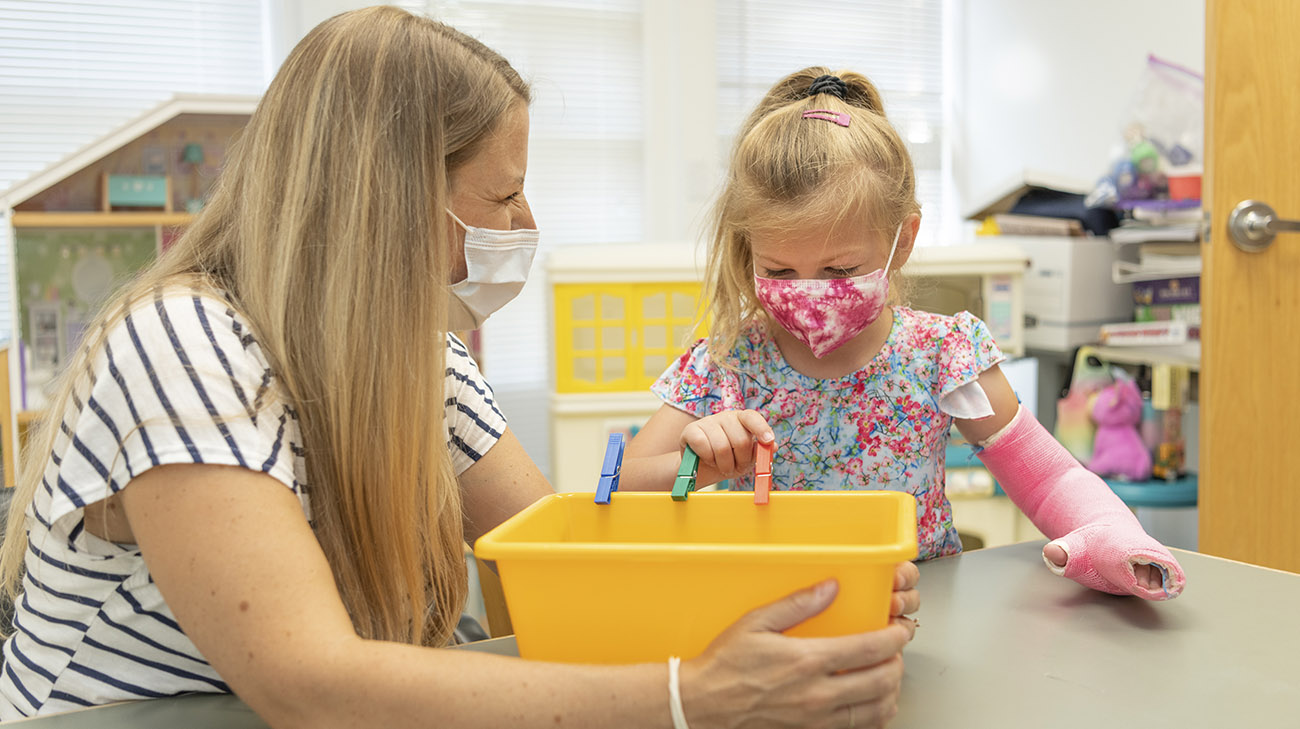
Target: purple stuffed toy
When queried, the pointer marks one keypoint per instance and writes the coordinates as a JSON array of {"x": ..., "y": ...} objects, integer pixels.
[{"x": 1118, "y": 449}]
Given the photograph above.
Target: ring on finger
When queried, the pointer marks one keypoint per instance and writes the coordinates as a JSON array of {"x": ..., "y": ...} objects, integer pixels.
[{"x": 851, "y": 719}]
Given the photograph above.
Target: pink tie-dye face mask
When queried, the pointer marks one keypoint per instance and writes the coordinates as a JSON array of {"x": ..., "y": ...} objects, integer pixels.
[{"x": 826, "y": 313}]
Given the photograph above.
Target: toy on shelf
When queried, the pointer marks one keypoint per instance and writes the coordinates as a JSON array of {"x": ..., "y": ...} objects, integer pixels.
[
  {"x": 1075, "y": 428},
  {"x": 1118, "y": 450},
  {"x": 1170, "y": 454},
  {"x": 136, "y": 192},
  {"x": 192, "y": 155},
  {"x": 1159, "y": 160},
  {"x": 1170, "y": 388}
]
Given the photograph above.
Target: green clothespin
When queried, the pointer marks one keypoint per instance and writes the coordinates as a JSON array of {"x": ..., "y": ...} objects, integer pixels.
[{"x": 685, "y": 482}]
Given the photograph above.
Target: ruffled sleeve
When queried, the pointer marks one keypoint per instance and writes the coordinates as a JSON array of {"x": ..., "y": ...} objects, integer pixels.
[
  {"x": 966, "y": 352},
  {"x": 694, "y": 384}
]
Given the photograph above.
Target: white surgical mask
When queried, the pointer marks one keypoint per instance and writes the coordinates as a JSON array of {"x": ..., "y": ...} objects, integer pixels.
[{"x": 497, "y": 262}]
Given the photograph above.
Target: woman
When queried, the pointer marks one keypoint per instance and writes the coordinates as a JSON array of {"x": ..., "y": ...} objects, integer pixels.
[{"x": 298, "y": 497}]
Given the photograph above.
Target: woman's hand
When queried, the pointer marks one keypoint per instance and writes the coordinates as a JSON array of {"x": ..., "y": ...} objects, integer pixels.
[
  {"x": 906, "y": 599},
  {"x": 725, "y": 443},
  {"x": 755, "y": 677}
]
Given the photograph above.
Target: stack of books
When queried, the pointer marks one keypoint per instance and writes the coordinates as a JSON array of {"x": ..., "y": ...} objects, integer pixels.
[
  {"x": 1013, "y": 224},
  {"x": 1166, "y": 312},
  {"x": 1175, "y": 299},
  {"x": 1167, "y": 250},
  {"x": 1166, "y": 277}
]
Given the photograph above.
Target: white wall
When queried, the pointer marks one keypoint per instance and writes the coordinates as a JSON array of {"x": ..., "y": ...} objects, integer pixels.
[
  {"x": 1041, "y": 84},
  {"x": 681, "y": 152},
  {"x": 290, "y": 20},
  {"x": 682, "y": 157},
  {"x": 1044, "y": 84}
]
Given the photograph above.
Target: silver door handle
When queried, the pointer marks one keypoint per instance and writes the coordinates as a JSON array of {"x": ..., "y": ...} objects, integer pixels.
[{"x": 1253, "y": 225}]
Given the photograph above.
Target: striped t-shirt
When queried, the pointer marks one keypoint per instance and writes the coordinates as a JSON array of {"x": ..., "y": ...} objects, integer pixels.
[{"x": 90, "y": 626}]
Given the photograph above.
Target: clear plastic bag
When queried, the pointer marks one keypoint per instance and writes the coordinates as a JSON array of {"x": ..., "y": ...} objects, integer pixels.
[{"x": 1164, "y": 133}]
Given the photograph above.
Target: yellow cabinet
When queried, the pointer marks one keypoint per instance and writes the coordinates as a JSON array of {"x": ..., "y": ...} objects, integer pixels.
[
  {"x": 619, "y": 337},
  {"x": 621, "y": 314}
]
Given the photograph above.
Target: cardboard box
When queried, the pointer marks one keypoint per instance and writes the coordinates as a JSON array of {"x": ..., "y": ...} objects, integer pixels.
[{"x": 1069, "y": 293}]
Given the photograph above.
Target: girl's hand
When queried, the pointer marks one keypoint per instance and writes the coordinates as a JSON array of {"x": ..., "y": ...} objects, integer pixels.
[
  {"x": 1100, "y": 569},
  {"x": 1148, "y": 577},
  {"x": 725, "y": 443},
  {"x": 755, "y": 677}
]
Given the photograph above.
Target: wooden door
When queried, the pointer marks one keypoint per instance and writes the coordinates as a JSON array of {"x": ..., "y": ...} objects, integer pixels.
[{"x": 1250, "y": 376}]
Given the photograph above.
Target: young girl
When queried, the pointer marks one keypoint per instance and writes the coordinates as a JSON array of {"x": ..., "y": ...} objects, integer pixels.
[{"x": 818, "y": 215}]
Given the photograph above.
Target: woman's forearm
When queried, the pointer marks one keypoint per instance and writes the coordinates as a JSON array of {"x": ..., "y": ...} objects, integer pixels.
[{"x": 363, "y": 683}]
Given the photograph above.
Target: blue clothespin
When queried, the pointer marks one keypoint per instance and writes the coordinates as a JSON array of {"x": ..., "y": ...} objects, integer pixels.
[{"x": 609, "y": 471}]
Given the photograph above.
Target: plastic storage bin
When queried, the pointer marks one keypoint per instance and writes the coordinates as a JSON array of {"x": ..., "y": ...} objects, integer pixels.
[{"x": 647, "y": 577}]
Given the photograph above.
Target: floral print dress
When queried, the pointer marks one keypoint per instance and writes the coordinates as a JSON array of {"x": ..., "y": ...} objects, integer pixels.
[{"x": 881, "y": 427}]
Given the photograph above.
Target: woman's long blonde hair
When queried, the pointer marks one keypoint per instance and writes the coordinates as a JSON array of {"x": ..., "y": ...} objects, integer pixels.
[
  {"x": 327, "y": 230},
  {"x": 787, "y": 172}
]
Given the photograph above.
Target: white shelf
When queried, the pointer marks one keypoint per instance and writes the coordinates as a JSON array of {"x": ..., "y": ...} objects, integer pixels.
[
  {"x": 1122, "y": 272},
  {"x": 1177, "y": 355},
  {"x": 1137, "y": 234},
  {"x": 41, "y": 219}
]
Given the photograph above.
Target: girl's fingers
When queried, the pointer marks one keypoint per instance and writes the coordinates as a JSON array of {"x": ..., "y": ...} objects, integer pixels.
[
  {"x": 721, "y": 457},
  {"x": 741, "y": 444},
  {"x": 754, "y": 422}
]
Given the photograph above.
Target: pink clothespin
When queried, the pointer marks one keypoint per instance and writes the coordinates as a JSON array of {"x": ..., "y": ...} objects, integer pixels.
[{"x": 763, "y": 471}]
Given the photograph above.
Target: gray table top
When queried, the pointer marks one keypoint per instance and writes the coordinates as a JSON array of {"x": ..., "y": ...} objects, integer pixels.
[{"x": 1004, "y": 643}]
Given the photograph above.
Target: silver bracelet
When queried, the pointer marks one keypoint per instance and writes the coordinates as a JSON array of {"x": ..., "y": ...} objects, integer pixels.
[{"x": 675, "y": 694}]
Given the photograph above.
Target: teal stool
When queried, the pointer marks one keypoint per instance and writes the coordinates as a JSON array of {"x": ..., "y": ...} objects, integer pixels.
[{"x": 1165, "y": 494}]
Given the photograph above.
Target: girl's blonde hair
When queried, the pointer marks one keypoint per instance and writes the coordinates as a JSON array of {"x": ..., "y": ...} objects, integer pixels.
[
  {"x": 787, "y": 172},
  {"x": 328, "y": 231}
]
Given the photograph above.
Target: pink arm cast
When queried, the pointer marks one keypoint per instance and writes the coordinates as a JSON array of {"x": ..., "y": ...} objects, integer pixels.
[{"x": 1075, "y": 509}]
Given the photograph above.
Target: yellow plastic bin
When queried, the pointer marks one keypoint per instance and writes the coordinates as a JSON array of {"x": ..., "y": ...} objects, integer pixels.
[{"x": 647, "y": 577}]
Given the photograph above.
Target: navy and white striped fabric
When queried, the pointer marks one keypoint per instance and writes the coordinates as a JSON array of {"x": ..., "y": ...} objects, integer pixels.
[
  {"x": 474, "y": 422},
  {"x": 181, "y": 380}
]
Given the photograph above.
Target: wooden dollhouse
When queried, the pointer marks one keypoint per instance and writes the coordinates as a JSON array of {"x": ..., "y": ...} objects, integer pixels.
[{"x": 86, "y": 223}]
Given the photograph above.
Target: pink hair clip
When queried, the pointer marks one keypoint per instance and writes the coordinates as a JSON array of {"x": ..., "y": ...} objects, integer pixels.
[{"x": 839, "y": 117}]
